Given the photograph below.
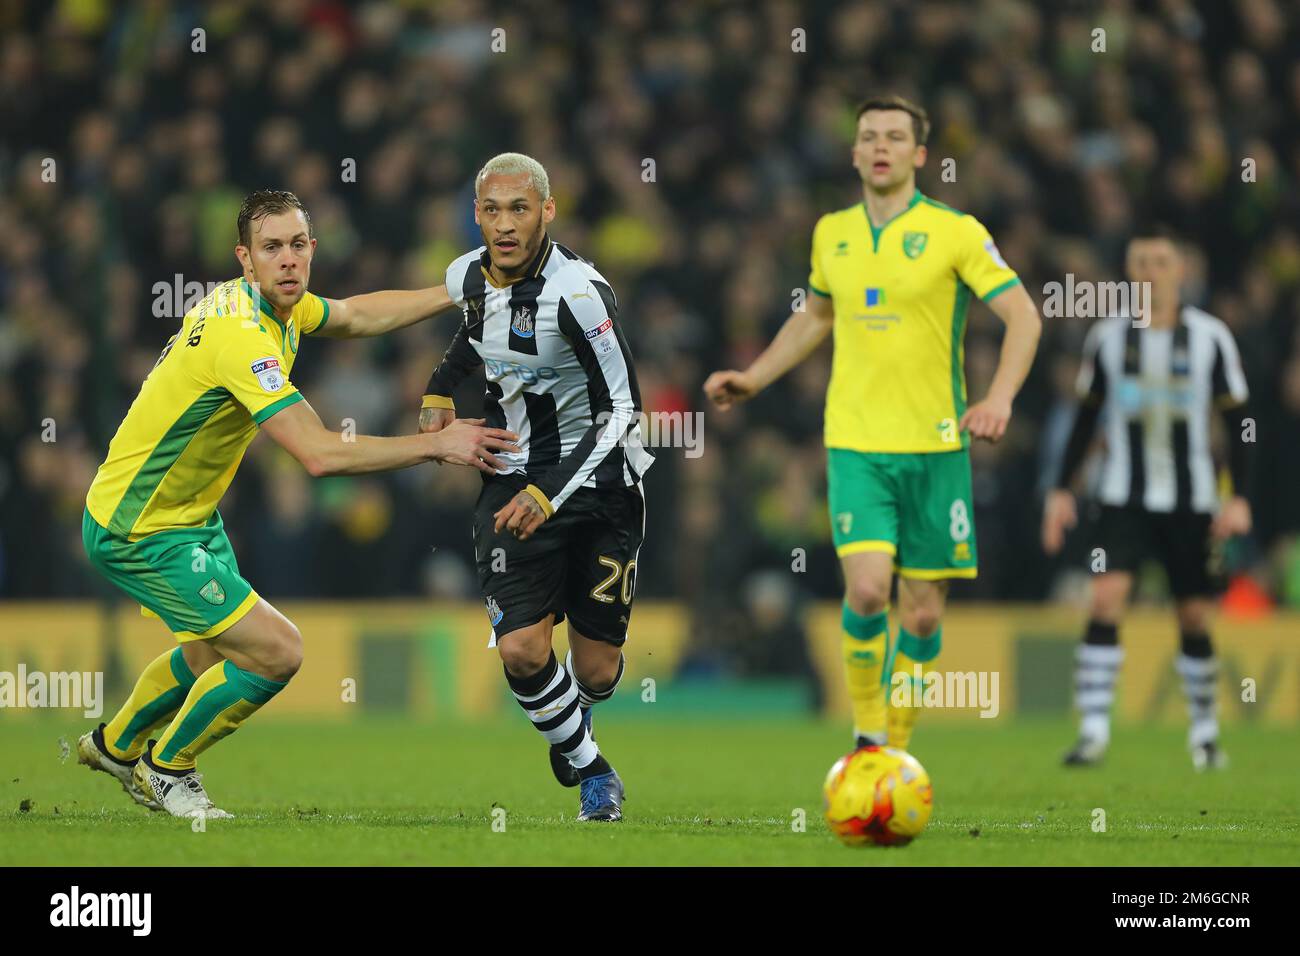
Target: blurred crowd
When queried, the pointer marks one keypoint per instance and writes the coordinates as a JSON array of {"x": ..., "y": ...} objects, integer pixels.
[{"x": 691, "y": 147}]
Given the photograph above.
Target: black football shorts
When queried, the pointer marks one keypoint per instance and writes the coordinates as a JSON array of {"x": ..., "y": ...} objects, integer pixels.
[
  {"x": 580, "y": 564},
  {"x": 1179, "y": 540}
]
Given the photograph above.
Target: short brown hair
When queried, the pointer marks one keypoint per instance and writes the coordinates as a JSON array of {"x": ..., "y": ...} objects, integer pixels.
[
  {"x": 920, "y": 119},
  {"x": 1157, "y": 230},
  {"x": 267, "y": 202}
]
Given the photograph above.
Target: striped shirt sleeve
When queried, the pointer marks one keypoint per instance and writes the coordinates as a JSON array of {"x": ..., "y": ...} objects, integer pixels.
[
  {"x": 461, "y": 358},
  {"x": 1229, "y": 379},
  {"x": 587, "y": 321},
  {"x": 1090, "y": 386}
]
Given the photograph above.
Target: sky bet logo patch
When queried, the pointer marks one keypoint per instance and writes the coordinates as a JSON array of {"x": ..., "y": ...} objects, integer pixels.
[
  {"x": 268, "y": 374},
  {"x": 605, "y": 345},
  {"x": 875, "y": 297}
]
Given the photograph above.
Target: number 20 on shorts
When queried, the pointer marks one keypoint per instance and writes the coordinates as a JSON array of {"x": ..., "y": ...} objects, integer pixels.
[{"x": 617, "y": 570}]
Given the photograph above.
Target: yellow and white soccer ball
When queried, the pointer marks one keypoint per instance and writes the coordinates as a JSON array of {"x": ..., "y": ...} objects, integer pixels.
[{"x": 877, "y": 795}]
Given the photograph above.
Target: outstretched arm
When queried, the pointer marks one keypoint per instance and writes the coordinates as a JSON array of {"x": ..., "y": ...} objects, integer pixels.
[
  {"x": 799, "y": 336},
  {"x": 378, "y": 312},
  {"x": 298, "y": 429},
  {"x": 461, "y": 358}
]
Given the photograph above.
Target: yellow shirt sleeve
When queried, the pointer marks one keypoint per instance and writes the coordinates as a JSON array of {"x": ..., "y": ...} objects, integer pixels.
[
  {"x": 315, "y": 313},
  {"x": 249, "y": 367},
  {"x": 979, "y": 264},
  {"x": 817, "y": 282}
]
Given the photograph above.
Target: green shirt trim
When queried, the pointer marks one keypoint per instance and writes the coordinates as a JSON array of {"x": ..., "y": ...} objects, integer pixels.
[
  {"x": 940, "y": 205},
  {"x": 262, "y": 304},
  {"x": 274, "y": 407},
  {"x": 877, "y": 230},
  {"x": 813, "y": 288},
  {"x": 326, "y": 317},
  {"x": 994, "y": 293},
  {"x": 165, "y": 454},
  {"x": 959, "y": 307}
]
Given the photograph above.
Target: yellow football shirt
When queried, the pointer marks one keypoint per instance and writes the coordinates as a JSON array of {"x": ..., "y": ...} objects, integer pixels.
[
  {"x": 900, "y": 293},
  {"x": 224, "y": 373}
]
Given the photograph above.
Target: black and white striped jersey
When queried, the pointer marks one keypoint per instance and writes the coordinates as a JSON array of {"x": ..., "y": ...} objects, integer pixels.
[
  {"x": 559, "y": 371},
  {"x": 1156, "y": 390}
]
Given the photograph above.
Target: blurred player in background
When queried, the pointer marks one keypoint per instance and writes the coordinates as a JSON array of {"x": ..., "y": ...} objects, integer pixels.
[
  {"x": 560, "y": 374},
  {"x": 1154, "y": 390},
  {"x": 151, "y": 524},
  {"x": 893, "y": 276}
]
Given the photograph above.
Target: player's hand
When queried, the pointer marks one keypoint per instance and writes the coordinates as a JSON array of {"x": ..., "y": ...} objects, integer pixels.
[
  {"x": 725, "y": 389},
  {"x": 1059, "y": 513},
  {"x": 466, "y": 442},
  {"x": 435, "y": 419},
  {"x": 1233, "y": 519},
  {"x": 521, "y": 517},
  {"x": 987, "y": 419}
]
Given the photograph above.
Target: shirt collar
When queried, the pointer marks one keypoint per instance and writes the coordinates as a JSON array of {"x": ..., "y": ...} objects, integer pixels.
[
  {"x": 263, "y": 305},
  {"x": 533, "y": 270}
]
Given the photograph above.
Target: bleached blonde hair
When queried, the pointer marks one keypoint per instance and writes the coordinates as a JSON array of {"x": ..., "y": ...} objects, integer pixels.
[{"x": 514, "y": 164}]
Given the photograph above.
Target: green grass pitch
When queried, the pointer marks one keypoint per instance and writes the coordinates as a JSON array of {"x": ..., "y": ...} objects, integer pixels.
[{"x": 716, "y": 792}]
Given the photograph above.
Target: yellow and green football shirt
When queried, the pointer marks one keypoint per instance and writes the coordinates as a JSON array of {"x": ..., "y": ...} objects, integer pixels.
[
  {"x": 224, "y": 373},
  {"x": 900, "y": 293}
]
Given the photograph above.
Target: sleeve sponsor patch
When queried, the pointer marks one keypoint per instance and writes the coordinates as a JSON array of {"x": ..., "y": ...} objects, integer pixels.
[
  {"x": 268, "y": 374},
  {"x": 604, "y": 343},
  {"x": 991, "y": 248},
  {"x": 600, "y": 329}
]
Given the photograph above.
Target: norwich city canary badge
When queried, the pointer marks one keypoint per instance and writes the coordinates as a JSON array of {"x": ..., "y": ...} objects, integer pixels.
[
  {"x": 213, "y": 592},
  {"x": 914, "y": 243}
]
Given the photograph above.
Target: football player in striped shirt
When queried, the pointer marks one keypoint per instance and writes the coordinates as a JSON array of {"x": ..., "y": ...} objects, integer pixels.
[
  {"x": 151, "y": 524},
  {"x": 892, "y": 278},
  {"x": 1153, "y": 389},
  {"x": 557, "y": 531}
]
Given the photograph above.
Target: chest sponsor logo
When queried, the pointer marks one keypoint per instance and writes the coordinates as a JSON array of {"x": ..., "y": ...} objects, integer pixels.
[
  {"x": 914, "y": 243},
  {"x": 497, "y": 369},
  {"x": 521, "y": 321},
  {"x": 874, "y": 297},
  {"x": 1153, "y": 394},
  {"x": 269, "y": 374}
]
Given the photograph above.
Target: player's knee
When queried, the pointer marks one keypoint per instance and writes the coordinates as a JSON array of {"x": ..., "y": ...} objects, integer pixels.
[
  {"x": 1193, "y": 617},
  {"x": 1107, "y": 607},
  {"x": 597, "y": 675},
  {"x": 924, "y": 621},
  {"x": 867, "y": 595},
  {"x": 1108, "y": 600},
  {"x": 284, "y": 655},
  {"x": 523, "y": 658}
]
